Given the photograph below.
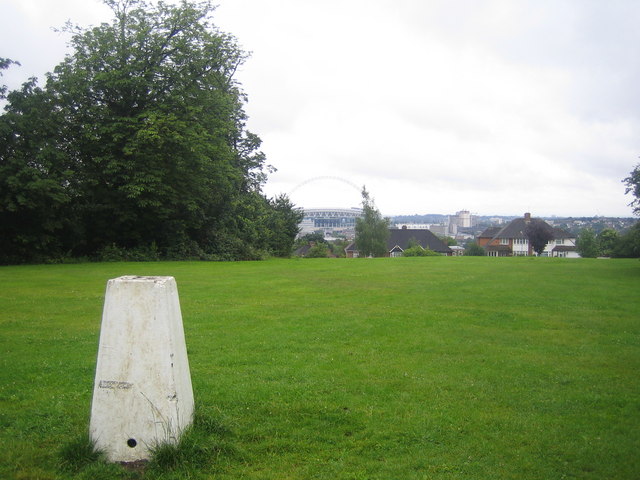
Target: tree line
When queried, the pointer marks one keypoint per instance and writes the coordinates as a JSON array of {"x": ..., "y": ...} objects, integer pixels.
[
  {"x": 136, "y": 146},
  {"x": 609, "y": 243}
]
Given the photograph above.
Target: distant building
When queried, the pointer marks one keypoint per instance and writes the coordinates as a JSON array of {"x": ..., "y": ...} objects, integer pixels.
[
  {"x": 463, "y": 219},
  {"x": 402, "y": 238},
  {"x": 442, "y": 230},
  {"x": 414, "y": 226},
  {"x": 511, "y": 240}
]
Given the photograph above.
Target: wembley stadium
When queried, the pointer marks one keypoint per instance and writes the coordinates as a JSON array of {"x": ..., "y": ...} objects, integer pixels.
[{"x": 331, "y": 221}]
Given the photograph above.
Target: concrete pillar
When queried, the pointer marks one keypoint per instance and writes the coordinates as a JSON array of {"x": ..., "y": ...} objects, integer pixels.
[{"x": 142, "y": 394}]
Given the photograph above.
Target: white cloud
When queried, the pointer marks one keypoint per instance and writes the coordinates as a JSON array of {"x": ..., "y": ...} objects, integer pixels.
[{"x": 494, "y": 106}]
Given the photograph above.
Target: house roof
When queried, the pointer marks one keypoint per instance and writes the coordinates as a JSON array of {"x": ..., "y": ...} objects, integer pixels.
[
  {"x": 516, "y": 229},
  {"x": 561, "y": 233},
  {"x": 302, "y": 251},
  {"x": 490, "y": 232},
  {"x": 401, "y": 237},
  {"x": 351, "y": 247}
]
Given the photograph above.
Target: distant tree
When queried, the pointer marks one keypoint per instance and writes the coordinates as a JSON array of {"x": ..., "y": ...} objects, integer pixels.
[
  {"x": 474, "y": 250},
  {"x": 319, "y": 250},
  {"x": 607, "y": 241},
  {"x": 539, "y": 233},
  {"x": 337, "y": 247},
  {"x": 317, "y": 237},
  {"x": 586, "y": 244},
  {"x": 282, "y": 226},
  {"x": 629, "y": 244},
  {"x": 633, "y": 186},
  {"x": 449, "y": 241},
  {"x": 372, "y": 231}
]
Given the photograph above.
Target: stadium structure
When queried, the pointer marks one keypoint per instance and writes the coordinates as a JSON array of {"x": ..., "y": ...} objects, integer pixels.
[{"x": 331, "y": 221}]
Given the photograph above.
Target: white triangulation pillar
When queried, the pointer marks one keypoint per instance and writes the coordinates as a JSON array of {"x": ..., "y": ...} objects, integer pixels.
[{"x": 142, "y": 394}]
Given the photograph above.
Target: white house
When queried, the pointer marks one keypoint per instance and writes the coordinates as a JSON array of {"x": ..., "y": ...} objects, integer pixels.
[{"x": 511, "y": 240}]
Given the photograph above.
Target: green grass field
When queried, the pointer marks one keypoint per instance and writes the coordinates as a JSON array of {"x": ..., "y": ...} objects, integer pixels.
[{"x": 408, "y": 368}]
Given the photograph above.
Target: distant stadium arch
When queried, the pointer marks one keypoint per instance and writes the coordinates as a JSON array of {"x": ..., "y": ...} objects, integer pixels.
[
  {"x": 331, "y": 221},
  {"x": 325, "y": 177}
]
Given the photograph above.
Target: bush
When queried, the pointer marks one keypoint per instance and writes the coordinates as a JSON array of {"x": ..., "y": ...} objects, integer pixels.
[
  {"x": 319, "y": 250},
  {"x": 628, "y": 245},
  {"x": 114, "y": 253},
  {"x": 418, "y": 251},
  {"x": 474, "y": 250}
]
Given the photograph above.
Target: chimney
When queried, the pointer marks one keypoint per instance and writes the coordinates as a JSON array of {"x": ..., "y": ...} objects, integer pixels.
[{"x": 527, "y": 217}]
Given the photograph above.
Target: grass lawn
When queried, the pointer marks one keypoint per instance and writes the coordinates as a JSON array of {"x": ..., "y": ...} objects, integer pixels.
[{"x": 407, "y": 368}]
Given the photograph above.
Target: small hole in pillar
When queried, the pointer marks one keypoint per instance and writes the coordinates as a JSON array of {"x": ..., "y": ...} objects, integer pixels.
[{"x": 132, "y": 442}]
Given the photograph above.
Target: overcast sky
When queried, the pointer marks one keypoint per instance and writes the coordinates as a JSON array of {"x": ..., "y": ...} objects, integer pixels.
[{"x": 494, "y": 106}]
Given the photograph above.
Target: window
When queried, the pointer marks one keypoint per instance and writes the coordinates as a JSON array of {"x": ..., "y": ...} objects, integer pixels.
[
  {"x": 504, "y": 241},
  {"x": 559, "y": 241}
]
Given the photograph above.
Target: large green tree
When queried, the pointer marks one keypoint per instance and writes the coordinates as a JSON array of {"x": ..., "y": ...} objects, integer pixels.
[
  {"x": 138, "y": 137},
  {"x": 607, "y": 241},
  {"x": 587, "y": 244},
  {"x": 629, "y": 244},
  {"x": 4, "y": 64},
  {"x": 36, "y": 178},
  {"x": 282, "y": 224},
  {"x": 372, "y": 231},
  {"x": 632, "y": 183}
]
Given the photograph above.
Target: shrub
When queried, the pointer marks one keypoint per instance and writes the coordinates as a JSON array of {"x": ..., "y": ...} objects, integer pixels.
[
  {"x": 474, "y": 250},
  {"x": 418, "y": 251},
  {"x": 319, "y": 250}
]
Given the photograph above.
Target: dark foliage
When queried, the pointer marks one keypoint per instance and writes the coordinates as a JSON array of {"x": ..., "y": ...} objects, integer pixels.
[
  {"x": 628, "y": 245},
  {"x": 633, "y": 186},
  {"x": 138, "y": 142},
  {"x": 372, "y": 231},
  {"x": 586, "y": 244},
  {"x": 474, "y": 250},
  {"x": 539, "y": 233}
]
